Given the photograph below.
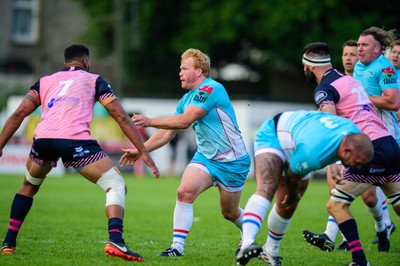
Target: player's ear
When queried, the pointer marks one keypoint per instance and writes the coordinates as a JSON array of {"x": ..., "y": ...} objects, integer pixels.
[
  {"x": 86, "y": 63},
  {"x": 199, "y": 71}
]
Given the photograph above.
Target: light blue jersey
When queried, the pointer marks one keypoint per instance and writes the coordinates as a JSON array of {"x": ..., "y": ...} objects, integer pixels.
[
  {"x": 217, "y": 133},
  {"x": 306, "y": 140},
  {"x": 376, "y": 77}
]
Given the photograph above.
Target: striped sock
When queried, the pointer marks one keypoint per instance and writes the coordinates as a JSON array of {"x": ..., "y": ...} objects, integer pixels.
[
  {"x": 253, "y": 216},
  {"x": 115, "y": 229},
  {"x": 19, "y": 209},
  {"x": 277, "y": 227},
  {"x": 349, "y": 230},
  {"x": 183, "y": 220}
]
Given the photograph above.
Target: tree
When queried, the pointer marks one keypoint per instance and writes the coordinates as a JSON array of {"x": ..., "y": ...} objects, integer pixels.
[{"x": 264, "y": 37}]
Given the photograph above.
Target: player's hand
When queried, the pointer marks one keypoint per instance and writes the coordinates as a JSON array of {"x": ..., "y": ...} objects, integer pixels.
[
  {"x": 338, "y": 180},
  {"x": 336, "y": 173},
  {"x": 398, "y": 115},
  {"x": 129, "y": 157},
  {"x": 141, "y": 121},
  {"x": 150, "y": 163}
]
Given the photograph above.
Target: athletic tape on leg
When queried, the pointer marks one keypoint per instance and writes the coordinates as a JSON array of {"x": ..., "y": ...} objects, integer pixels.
[
  {"x": 394, "y": 199},
  {"x": 113, "y": 184},
  {"x": 33, "y": 180},
  {"x": 341, "y": 196}
]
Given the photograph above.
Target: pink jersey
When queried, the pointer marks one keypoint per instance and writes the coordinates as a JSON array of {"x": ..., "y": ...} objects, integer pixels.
[
  {"x": 351, "y": 101},
  {"x": 67, "y": 100}
]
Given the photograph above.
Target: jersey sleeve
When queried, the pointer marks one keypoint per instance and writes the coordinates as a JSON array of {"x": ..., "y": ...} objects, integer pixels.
[
  {"x": 206, "y": 97},
  {"x": 388, "y": 78},
  {"x": 104, "y": 93},
  {"x": 35, "y": 87},
  {"x": 326, "y": 95}
]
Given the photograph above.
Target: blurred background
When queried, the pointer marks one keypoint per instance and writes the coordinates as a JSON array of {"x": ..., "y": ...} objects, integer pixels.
[{"x": 255, "y": 49}]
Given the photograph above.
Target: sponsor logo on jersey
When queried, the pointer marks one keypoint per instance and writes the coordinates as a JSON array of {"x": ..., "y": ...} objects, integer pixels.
[
  {"x": 376, "y": 169},
  {"x": 71, "y": 100},
  {"x": 301, "y": 167},
  {"x": 389, "y": 75},
  {"x": 202, "y": 94},
  {"x": 319, "y": 96}
]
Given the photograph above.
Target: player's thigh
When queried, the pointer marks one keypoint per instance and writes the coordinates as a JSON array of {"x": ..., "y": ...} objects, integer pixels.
[
  {"x": 35, "y": 170},
  {"x": 229, "y": 200},
  {"x": 194, "y": 181},
  {"x": 369, "y": 196},
  {"x": 94, "y": 170},
  {"x": 355, "y": 189}
]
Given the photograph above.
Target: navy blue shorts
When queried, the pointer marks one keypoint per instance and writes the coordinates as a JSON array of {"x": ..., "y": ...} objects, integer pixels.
[
  {"x": 74, "y": 153},
  {"x": 384, "y": 167}
]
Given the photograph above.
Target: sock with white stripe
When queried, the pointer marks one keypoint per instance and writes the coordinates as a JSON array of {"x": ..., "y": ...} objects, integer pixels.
[
  {"x": 277, "y": 227},
  {"x": 253, "y": 217},
  {"x": 183, "y": 220}
]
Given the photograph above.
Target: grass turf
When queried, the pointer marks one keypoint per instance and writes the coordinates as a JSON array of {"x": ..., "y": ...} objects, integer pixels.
[{"x": 67, "y": 226}]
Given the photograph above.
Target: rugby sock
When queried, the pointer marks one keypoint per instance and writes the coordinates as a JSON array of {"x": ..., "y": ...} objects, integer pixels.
[
  {"x": 382, "y": 198},
  {"x": 349, "y": 229},
  {"x": 277, "y": 227},
  {"x": 331, "y": 229},
  {"x": 377, "y": 213},
  {"x": 183, "y": 220},
  {"x": 19, "y": 209},
  {"x": 115, "y": 229},
  {"x": 253, "y": 216}
]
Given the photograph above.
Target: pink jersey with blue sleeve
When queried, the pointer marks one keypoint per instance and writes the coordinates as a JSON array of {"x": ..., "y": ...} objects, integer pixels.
[
  {"x": 351, "y": 101},
  {"x": 67, "y": 100}
]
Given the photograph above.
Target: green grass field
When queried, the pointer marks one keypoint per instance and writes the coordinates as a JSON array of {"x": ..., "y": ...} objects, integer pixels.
[{"x": 67, "y": 226}]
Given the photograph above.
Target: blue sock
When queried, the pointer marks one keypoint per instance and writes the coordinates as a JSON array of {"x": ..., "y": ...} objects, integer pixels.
[
  {"x": 349, "y": 230},
  {"x": 115, "y": 229},
  {"x": 19, "y": 209}
]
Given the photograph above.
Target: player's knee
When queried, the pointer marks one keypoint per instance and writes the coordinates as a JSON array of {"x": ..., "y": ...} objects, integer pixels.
[
  {"x": 113, "y": 184},
  {"x": 33, "y": 180},
  {"x": 184, "y": 195},
  {"x": 330, "y": 205},
  {"x": 370, "y": 201},
  {"x": 230, "y": 215}
]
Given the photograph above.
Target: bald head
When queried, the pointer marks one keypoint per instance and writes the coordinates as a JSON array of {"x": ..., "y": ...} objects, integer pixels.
[{"x": 355, "y": 150}]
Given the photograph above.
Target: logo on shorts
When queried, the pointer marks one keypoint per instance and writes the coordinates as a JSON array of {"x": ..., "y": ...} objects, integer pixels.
[{"x": 80, "y": 152}]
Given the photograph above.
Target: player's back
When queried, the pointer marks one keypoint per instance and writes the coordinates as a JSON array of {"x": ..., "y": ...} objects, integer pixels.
[
  {"x": 355, "y": 105},
  {"x": 311, "y": 138},
  {"x": 67, "y": 99}
]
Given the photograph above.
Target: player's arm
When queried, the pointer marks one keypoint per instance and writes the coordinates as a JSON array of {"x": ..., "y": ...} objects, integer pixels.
[
  {"x": 181, "y": 121},
  {"x": 389, "y": 100},
  {"x": 157, "y": 140},
  {"x": 30, "y": 102},
  {"x": 327, "y": 108},
  {"x": 160, "y": 138},
  {"x": 325, "y": 98},
  {"x": 117, "y": 112}
]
